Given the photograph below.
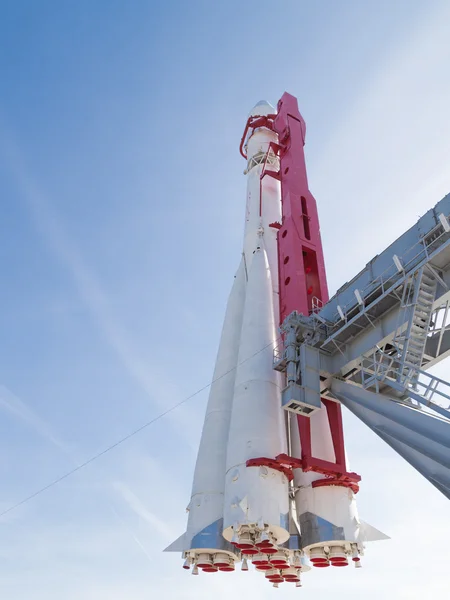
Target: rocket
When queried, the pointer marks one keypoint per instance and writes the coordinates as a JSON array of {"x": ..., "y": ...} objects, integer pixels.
[{"x": 271, "y": 484}]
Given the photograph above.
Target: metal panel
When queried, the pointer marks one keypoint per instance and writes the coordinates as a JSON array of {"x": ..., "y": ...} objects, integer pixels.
[
  {"x": 304, "y": 399},
  {"x": 211, "y": 538},
  {"x": 315, "y": 529},
  {"x": 295, "y": 398},
  {"x": 310, "y": 371}
]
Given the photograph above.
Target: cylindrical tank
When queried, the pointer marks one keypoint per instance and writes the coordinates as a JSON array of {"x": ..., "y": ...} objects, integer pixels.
[
  {"x": 327, "y": 515},
  {"x": 205, "y": 521},
  {"x": 256, "y": 498}
]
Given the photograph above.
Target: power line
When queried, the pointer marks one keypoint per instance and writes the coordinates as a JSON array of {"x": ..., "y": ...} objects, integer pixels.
[{"x": 127, "y": 437}]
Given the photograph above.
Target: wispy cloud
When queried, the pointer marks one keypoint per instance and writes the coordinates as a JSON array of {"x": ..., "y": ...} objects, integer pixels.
[
  {"x": 388, "y": 152},
  {"x": 386, "y": 161},
  {"x": 139, "y": 508},
  {"x": 133, "y": 536},
  {"x": 20, "y": 411},
  {"x": 159, "y": 389},
  {"x": 10, "y": 403}
]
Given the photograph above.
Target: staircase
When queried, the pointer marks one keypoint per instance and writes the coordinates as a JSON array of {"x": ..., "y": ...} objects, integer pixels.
[
  {"x": 411, "y": 342},
  {"x": 398, "y": 364}
]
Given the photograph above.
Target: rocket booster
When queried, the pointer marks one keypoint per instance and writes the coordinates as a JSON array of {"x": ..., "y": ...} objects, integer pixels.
[{"x": 271, "y": 485}]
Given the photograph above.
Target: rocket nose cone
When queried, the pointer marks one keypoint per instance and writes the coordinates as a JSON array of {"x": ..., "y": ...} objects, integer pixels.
[{"x": 261, "y": 109}]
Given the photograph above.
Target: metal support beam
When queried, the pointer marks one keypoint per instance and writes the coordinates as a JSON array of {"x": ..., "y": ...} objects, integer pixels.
[
  {"x": 422, "y": 440},
  {"x": 437, "y": 346}
]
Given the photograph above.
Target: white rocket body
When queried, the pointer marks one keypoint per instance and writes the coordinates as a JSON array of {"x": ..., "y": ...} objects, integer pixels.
[
  {"x": 327, "y": 515},
  {"x": 257, "y": 495},
  {"x": 244, "y": 418},
  {"x": 206, "y": 506}
]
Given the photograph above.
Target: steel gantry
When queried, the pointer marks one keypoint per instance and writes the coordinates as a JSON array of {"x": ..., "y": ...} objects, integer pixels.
[{"x": 371, "y": 345}]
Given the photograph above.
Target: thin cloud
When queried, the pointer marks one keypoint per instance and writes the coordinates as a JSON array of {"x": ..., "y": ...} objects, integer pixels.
[
  {"x": 386, "y": 161},
  {"x": 138, "y": 507},
  {"x": 89, "y": 289},
  {"x": 13, "y": 405},
  {"x": 134, "y": 537}
]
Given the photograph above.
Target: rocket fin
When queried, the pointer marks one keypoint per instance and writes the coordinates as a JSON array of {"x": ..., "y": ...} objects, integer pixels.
[
  {"x": 178, "y": 545},
  {"x": 368, "y": 533},
  {"x": 208, "y": 537}
]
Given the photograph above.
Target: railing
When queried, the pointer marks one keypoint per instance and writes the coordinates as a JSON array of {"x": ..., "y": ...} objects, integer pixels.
[
  {"x": 278, "y": 354},
  {"x": 421, "y": 386},
  {"x": 431, "y": 387},
  {"x": 316, "y": 305},
  {"x": 383, "y": 282}
]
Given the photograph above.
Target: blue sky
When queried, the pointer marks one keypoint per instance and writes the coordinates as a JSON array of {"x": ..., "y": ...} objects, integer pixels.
[{"x": 122, "y": 200}]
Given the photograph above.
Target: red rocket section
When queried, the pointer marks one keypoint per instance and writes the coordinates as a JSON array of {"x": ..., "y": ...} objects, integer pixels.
[
  {"x": 300, "y": 256},
  {"x": 302, "y": 276}
]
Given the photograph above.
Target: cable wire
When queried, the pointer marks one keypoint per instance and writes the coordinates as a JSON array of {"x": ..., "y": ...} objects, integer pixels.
[{"x": 128, "y": 436}]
